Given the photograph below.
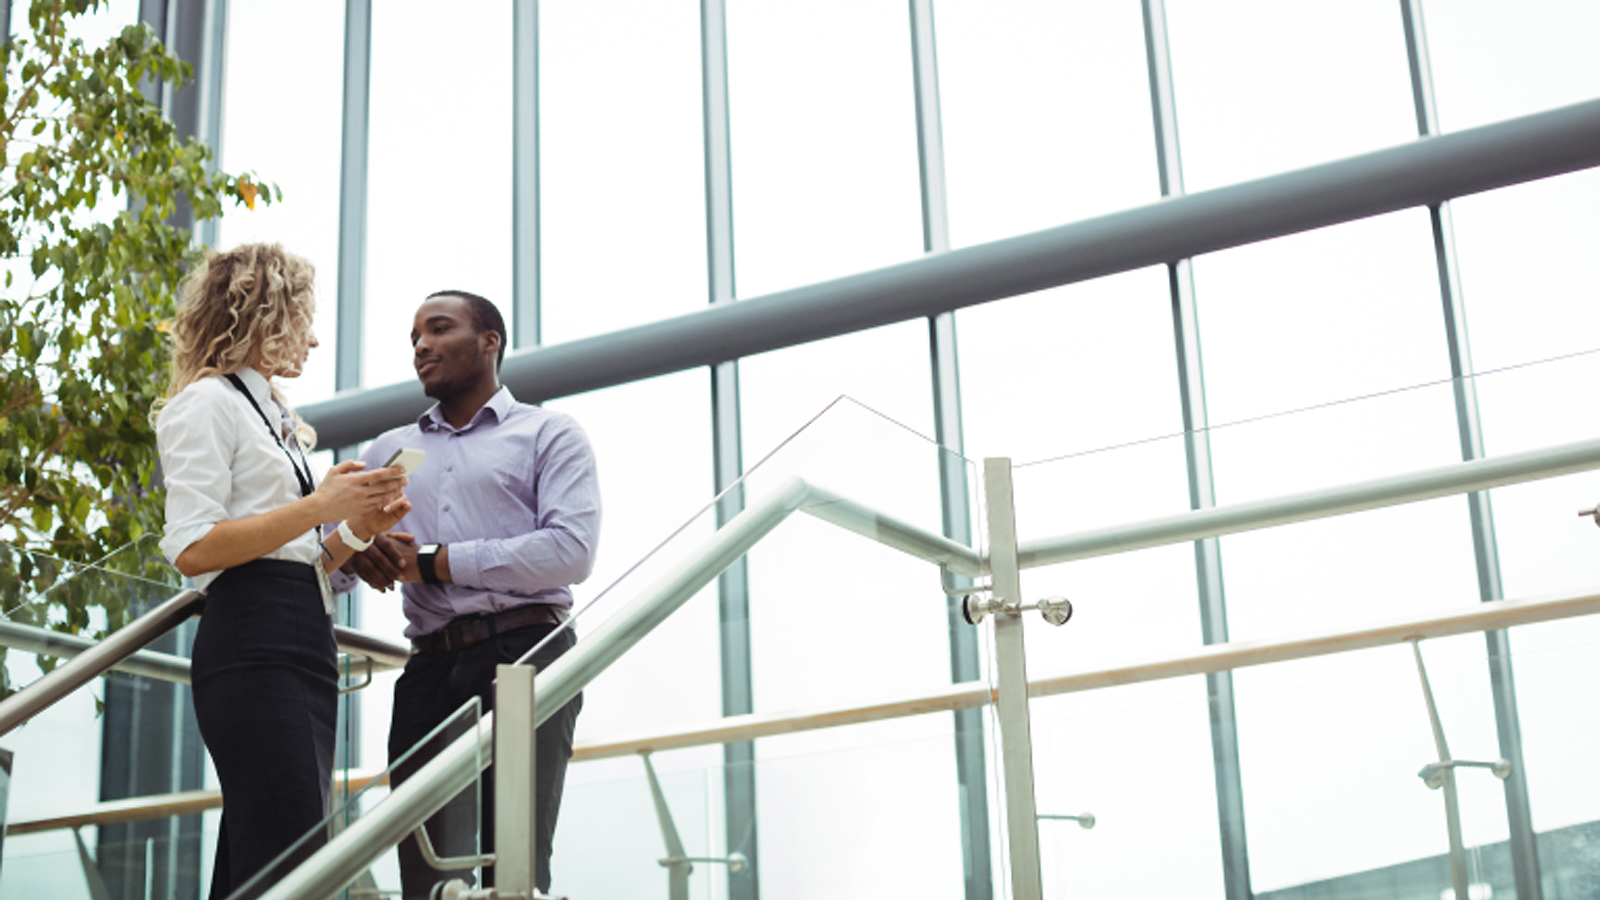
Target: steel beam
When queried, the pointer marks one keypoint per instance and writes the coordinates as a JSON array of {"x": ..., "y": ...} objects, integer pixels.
[{"x": 1421, "y": 173}]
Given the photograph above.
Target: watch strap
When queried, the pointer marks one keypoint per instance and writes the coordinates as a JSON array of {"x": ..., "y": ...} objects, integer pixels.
[{"x": 425, "y": 563}]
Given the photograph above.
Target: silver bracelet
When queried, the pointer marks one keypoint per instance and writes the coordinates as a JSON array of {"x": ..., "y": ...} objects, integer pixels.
[{"x": 349, "y": 537}]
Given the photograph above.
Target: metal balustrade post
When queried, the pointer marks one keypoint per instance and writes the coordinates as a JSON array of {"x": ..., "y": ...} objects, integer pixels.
[
  {"x": 514, "y": 802},
  {"x": 1016, "y": 740}
]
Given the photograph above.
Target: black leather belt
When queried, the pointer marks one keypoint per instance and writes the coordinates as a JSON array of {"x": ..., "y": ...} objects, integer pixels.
[{"x": 465, "y": 632}]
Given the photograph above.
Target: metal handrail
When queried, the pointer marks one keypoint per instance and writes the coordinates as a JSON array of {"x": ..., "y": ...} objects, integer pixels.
[
  {"x": 352, "y": 851},
  {"x": 1477, "y": 617},
  {"x": 124, "y": 650},
  {"x": 94, "y": 662},
  {"x": 1409, "y": 487},
  {"x": 45, "y": 642}
]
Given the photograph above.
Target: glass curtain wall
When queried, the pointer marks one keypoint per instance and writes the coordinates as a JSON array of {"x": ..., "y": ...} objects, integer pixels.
[{"x": 1047, "y": 119}]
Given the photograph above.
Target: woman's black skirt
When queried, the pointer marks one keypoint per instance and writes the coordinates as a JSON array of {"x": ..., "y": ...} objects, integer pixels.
[{"x": 266, "y": 697}]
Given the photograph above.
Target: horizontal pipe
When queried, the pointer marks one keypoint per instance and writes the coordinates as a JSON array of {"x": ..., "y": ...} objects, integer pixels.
[
  {"x": 59, "y": 645},
  {"x": 1467, "y": 619},
  {"x": 385, "y": 654},
  {"x": 1409, "y": 487},
  {"x": 1419, "y": 173},
  {"x": 84, "y": 668},
  {"x": 164, "y": 806}
]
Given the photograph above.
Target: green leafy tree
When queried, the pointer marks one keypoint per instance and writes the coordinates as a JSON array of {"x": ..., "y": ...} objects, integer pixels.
[{"x": 91, "y": 175}]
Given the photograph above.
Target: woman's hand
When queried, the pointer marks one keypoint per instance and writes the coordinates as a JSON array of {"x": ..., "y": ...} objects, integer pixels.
[
  {"x": 349, "y": 492},
  {"x": 380, "y": 520}
]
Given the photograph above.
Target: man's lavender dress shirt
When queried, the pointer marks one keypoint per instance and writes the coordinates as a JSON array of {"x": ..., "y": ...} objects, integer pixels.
[{"x": 515, "y": 496}]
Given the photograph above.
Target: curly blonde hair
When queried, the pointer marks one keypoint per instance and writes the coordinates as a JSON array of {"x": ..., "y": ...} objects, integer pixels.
[{"x": 246, "y": 307}]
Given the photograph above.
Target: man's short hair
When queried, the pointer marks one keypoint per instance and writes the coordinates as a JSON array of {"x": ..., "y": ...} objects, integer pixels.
[{"x": 485, "y": 317}]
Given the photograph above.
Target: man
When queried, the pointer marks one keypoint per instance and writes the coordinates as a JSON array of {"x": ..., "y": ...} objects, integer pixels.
[{"x": 505, "y": 515}]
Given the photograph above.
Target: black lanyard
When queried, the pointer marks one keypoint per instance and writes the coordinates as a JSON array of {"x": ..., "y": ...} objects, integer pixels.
[{"x": 307, "y": 488}]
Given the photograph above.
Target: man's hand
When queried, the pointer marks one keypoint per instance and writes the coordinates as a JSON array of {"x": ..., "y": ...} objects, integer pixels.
[{"x": 386, "y": 561}]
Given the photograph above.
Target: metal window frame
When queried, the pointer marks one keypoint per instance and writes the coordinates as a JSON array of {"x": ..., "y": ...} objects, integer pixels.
[
  {"x": 353, "y": 203},
  {"x": 1523, "y": 839},
  {"x": 727, "y": 463},
  {"x": 954, "y": 490},
  {"x": 526, "y": 312},
  {"x": 1209, "y": 585}
]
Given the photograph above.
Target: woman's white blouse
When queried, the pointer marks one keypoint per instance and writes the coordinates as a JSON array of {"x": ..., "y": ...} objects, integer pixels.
[{"x": 219, "y": 463}]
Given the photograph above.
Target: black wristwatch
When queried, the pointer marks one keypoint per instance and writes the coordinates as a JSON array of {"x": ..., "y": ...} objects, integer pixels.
[{"x": 425, "y": 557}]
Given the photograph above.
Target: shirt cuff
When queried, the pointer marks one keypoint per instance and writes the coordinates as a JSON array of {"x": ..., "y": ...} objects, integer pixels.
[
  {"x": 466, "y": 566},
  {"x": 341, "y": 581},
  {"x": 177, "y": 540}
]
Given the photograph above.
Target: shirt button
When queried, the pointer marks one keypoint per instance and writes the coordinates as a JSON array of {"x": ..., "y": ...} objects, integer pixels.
[
  {"x": 449, "y": 468},
  {"x": 447, "y": 507}
]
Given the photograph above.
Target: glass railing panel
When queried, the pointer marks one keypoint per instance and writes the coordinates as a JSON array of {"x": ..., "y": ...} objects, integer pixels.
[
  {"x": 612, "y": 841},
  {"x": 1555, "y": 665},
  {"x": 1316, "y": 733},
  {"x": 1331, "y": 749},
  {"x": 1119, "y": 771},
  {"x": 833, "y": 618},
  {"x": 50, "y": 869},
  {"x": 866, "y": 815},
  {"x": 454, "y": 831},
  {"x": 84, "y": 600},
  {"x": 1134, "y": 762},
  {"x": 122, "y": 735}
]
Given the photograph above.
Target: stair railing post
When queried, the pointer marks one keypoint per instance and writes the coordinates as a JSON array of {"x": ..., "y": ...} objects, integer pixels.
[{"x": 1016, "y": 741}]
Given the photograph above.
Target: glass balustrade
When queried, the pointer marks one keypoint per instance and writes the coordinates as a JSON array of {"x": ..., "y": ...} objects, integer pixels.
[
  {"x": 1329, "y": 803},
  {"x": 455, "y": 845},
  {"x": 804, "y": 600},
  {"x": 835, "y": 619},
  {"x": 86, "y": 749}
]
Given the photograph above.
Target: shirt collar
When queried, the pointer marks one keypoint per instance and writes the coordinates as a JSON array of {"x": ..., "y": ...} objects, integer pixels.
[
  {"x": 258, "y": 386},
  {"x": 498, "y": 407}
]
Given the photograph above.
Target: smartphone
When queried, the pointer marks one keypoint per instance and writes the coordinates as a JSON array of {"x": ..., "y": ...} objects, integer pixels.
[{"x": 406, "y": 458}]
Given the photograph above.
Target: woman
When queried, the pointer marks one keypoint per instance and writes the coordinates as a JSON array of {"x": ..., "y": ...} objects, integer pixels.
[{"x": 244, "y": 520}]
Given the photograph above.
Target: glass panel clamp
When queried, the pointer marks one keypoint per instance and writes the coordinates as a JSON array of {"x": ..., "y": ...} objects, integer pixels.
[{"x": 974, "y": 607}]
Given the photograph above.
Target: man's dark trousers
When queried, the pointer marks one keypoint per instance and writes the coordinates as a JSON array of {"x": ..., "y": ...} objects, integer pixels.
[{"x": 433, "y": 686}]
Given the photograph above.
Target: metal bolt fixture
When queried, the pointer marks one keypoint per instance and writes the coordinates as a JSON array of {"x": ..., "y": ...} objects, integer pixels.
[
  {"x": 734, "y": 861},
  {"x": 1084, "y": 820},
  {"x": 974, "y": 607},
  {"x": 1433, "y": 773}
]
